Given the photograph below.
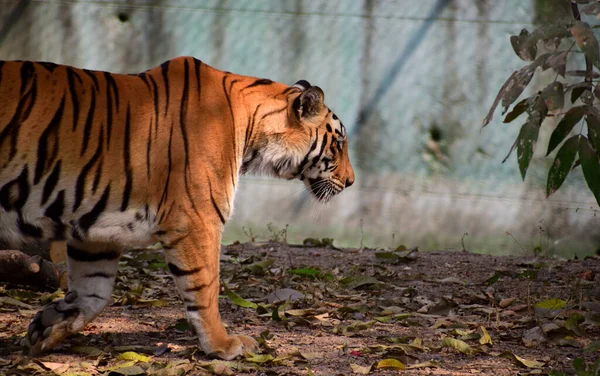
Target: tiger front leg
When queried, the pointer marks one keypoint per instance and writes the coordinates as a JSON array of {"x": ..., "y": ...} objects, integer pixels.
[
  {"x": 92, "y": 270},
  {"x": 194, "y": 264}
]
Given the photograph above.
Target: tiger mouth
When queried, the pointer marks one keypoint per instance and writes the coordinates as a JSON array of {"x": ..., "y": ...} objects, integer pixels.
[{"x": 324, "y": 189}]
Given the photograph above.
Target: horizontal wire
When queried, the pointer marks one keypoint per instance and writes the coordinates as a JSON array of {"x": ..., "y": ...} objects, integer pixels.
[{"x": 201, "y": 8}]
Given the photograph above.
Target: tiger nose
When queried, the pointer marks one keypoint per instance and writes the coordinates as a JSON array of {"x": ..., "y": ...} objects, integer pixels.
[{"x": 349, "y": 182}]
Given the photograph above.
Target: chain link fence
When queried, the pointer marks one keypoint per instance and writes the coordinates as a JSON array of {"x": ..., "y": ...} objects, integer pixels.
[{"x": 412, "y": 82}]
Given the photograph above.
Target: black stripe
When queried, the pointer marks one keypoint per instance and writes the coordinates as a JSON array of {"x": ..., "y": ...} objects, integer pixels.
[
  {"x": 48, "y": 144},
  {"x": 51, "y": 182},
  {"x": 148, "y": 149},
  {"x": 215, "y": 206},
  {"x": 74, "y": 97},
  {"x": 230, "y": 110},
  {"x": 93, "y": 77},
  {"x": 145, "y": 79},
  {"x": 89, "y": 122},
  {"x": 80, "y": 184},
  {"x": 196, "y": 288},
  {"x": 272, "y": 113},
  {"x": 99, "y": 275},
  {"x": 21, "y": 184},
  {"x": 163, "y": 197},
  {"x": 21, "y": 114},
  {"x": 197, "y": 64},
  {"x": 312, "y": 148},
  {"x": 27, "y": 73},
  {"x": 165, "y": 73},
  {"x": 28, "y": 229},
  {"x": 290, "y": 88},
  {"x": 166, "y": 213},
  {"x": 250, "y": 128},
  {"x": 259, "y": 82},
  {"x": 178, "y": 272},
  {"x": 156, "y": 104},
  {"x": 50, "y": 67},
  {"x": 109, "y": 111},
  {"x": 56, "y": 209},
  {"x": 87, "y": 220},
  {"x": 97, "y": 177},
  {"x": 85, "y": 256},
  {"x": 316, "y": 159},
  {"x": 112, "y": 85},
  {"x": 127, "y": 161},
  {"x": 182, "y": 126},
  {"x": 194, "y": 308}
]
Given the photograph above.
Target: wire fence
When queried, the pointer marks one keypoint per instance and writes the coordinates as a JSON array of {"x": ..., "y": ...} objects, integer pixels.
[{"x": 411, "y": 80}]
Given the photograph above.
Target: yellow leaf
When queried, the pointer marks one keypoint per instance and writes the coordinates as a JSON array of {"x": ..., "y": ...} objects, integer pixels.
[
  {"x": 428, "y": 364},
  {"x": 551, "y": 304},
  {"x": 131, "y": 355},
  {"x": 259, "y": 358},
  {"x": 485, "y": 337},
  {"x": 390, "y": 364},
  {"x": 361, "y": 370},
  {"x": 521, "y": 361},
  {"x": 457, "y": 345}
]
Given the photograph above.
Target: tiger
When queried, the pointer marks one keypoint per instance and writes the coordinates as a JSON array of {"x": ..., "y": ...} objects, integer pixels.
[{"x": 109, "y": 162}]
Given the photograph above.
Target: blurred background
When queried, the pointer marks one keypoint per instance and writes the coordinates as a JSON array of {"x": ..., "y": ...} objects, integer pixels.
[{"x": 411, "y": 80}]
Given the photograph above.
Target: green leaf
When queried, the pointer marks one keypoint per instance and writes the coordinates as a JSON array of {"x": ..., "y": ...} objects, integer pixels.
[
  {"x": 493, "y": 279},
  {"x": 573, "y": 322},
  {"x": 390, "y": 363},
  {"x": 457, "y": 344},
  {"x": 576, "y": 92},
  {"x": 306, "y": 272},
  {"x": 564, "y": 127},
  {"x": 590, "y": 166},
  {"x": 238, "y": 300},
  {"x": 593, "y": 126},
  {"x": 526, "y": 145},
  {"x": 517, "y": 110},
  {"x": 579, "y": 364},
  {"x": 554, "y": 96},
  {"x": 586, "y": 41},
  {"x": 562, "y": 164}
]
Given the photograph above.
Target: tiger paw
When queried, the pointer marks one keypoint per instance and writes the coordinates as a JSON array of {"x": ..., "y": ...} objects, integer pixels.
[
  {"x": 234, "y": 347},
  {"x": 53, "y": 324}
]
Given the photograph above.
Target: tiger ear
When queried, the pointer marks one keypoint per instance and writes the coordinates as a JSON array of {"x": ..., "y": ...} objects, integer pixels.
[{"x": 310, "y": 103}]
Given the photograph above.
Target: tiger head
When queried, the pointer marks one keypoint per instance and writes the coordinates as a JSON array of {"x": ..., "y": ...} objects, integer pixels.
[
  {"x": 325, "y": 168},
  {"x": 306, "y": 142}
]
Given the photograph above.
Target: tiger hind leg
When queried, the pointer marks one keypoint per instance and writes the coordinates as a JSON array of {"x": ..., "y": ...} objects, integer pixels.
[
  {"x": 194, "y": 264},
  {"x": 92, "y": 270}
]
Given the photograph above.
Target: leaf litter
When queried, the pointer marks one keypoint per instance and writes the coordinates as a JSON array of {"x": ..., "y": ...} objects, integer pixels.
[{"x": 344, "y": 312}]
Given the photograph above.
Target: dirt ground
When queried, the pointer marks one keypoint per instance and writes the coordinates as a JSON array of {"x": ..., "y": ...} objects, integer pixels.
[{"x": 340, "y": 312}]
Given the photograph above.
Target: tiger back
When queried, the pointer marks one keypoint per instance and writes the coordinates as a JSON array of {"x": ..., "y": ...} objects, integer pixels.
[{"x": 111, "y": 161}]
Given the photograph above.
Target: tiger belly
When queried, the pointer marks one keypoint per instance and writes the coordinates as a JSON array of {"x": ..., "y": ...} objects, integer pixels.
[{"x": 128, "y": 229}]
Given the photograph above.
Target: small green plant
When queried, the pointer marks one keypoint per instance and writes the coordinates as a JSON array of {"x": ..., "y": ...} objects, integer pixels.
[{"x": 583, "y": 147}]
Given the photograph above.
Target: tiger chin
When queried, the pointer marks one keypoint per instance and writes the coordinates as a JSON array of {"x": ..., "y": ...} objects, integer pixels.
[{"x": 111, "y": 161}]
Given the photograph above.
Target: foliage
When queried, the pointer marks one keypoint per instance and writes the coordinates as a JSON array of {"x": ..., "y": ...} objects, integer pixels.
[{"x": 567, "y": 39}]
